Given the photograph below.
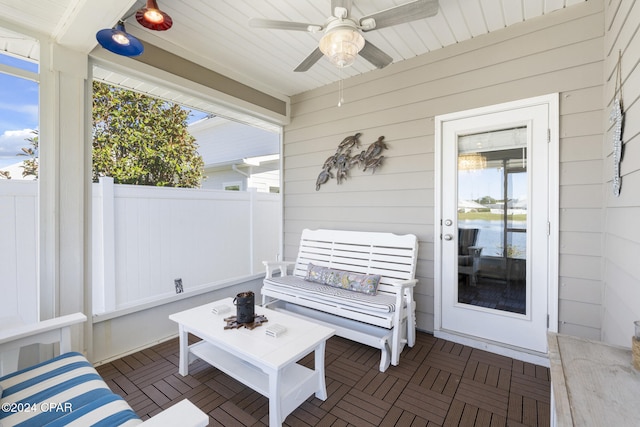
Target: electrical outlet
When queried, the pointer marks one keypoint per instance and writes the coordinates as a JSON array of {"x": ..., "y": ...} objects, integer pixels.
[{"x": 178, "y": 283}]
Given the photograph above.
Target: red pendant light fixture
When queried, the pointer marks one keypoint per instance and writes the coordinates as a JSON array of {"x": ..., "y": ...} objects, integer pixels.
[{"x": 153, "y": 18}]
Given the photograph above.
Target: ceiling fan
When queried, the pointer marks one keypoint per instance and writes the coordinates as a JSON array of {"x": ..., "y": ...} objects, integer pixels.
[{"x": 343, "y": 39}]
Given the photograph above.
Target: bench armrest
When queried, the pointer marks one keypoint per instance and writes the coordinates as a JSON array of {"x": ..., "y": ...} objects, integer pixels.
[
  {"x": 183, "y": 413},
  {"x": 271, "y": 266},
  {"x": 44, "y": 332},
  {"x": 405, "y": 284}
]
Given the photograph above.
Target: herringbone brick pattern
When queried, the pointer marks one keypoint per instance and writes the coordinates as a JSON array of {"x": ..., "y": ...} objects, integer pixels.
[{"x": 437, "y": 383}]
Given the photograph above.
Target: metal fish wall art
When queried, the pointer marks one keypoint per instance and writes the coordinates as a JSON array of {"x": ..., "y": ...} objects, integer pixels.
[{"x": 342, "y": 160}]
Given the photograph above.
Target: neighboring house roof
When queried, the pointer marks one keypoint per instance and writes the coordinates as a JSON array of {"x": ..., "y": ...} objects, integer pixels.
[
  {"x": 222, "y": 141},
  {"x": 15, "y": 171}
]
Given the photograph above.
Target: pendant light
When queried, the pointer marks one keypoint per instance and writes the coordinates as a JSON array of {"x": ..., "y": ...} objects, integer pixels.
[
  {"x": 118, "y": 41},
  {"x": 153, "y": 18}
]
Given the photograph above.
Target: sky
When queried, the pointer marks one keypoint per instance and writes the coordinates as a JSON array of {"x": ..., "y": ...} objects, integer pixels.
[
  {"x": 18, "y": 111},
  {"x": 473, "y": 185}
]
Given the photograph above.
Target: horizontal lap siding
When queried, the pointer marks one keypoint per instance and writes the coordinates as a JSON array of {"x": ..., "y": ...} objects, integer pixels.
[
  {"x": 622, "y": 235},
  {"x": 560, "y": 52}
]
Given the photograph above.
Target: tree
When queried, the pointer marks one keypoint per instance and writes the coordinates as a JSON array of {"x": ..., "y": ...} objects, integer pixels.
[
  {"x": 30, "y": 166},
  {"x": 142, "y": 140}
]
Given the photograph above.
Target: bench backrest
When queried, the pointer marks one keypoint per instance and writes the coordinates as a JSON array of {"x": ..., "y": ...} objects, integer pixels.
[{"x": 391, "y": 256}]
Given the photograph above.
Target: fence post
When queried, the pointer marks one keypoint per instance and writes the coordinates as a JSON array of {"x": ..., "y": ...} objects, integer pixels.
[
  {"x": 253, "y": 205},
  {"x": 104, "y": 292}
]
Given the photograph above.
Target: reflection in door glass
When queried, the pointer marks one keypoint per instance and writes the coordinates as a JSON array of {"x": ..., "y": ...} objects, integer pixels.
[{"x": 492, "y": 220}]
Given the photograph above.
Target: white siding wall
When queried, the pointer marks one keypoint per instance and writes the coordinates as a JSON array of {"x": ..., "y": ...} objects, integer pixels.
[
  {"x": 621, "y": 270},
  {"x": 560, "y": 52}
]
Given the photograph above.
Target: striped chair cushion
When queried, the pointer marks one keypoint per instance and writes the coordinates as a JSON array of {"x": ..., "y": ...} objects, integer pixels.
[
  {"x": 381, "y": 302},
  {"x": 61, "y": 391}
]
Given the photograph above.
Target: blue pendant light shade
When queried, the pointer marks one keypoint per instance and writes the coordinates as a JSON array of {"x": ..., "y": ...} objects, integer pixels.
[{"x": 118, "y": 41}]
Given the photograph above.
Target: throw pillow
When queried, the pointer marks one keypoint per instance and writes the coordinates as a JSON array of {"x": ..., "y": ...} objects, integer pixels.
[{"x": 357, "y": 282}]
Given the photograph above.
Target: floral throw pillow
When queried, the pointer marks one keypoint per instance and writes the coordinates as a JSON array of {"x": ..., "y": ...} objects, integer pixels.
[{"x": 357, "y": 282}]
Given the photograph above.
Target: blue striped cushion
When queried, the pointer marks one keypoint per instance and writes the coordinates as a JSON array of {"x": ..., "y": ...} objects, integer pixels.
[
  {"x": 107, "y": 411},
  {"x": 65, "y": 385}
]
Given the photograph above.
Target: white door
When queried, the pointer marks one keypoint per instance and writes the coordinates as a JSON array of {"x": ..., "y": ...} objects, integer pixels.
[{"x": 495, "y": 223}]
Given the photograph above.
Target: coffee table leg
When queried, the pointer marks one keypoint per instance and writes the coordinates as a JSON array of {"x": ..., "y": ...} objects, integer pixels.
[
  {"x": 321, "y": 393},
  {"x": 275, "y": 411},
  {"x": 183, "y": 367}
]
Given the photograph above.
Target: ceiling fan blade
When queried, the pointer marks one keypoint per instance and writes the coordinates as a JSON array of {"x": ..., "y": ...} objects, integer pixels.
[
  {"x": 346, "y": 4},
  {"x": 284, "y": 25},
  {"x": 374, "y": 55},
  {"x": 407, "y": 12},
  {"x": 309, "y": 60}
]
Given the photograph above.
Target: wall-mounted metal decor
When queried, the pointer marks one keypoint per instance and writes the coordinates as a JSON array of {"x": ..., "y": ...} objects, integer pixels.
[
  {"x": 342, "y": 161},
  {"x": 616, "y": 117}
]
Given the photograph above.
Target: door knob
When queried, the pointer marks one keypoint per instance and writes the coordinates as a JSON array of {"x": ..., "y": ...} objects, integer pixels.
[
  {"x": 448, "y": 237},
  {"x": 448, "y": 222}
]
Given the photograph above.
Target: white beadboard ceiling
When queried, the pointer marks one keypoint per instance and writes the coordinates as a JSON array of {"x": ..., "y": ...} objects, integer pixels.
[{"x": 216, "y": 33}]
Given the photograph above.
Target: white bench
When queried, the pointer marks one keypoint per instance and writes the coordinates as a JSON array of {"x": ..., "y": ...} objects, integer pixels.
[{"x": 385, "y": 320}]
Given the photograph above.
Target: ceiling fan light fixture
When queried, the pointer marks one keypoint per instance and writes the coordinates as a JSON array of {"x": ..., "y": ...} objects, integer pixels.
[
  {"x": 341, "y": 46},
  {"x": 471, "y": 161},
  {"x": 118, "y": 41},
  {"x": 153, "y": 18}
]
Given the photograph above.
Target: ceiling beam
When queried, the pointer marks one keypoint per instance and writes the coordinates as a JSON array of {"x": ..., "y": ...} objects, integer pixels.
[{"x": 84, "y": 18}]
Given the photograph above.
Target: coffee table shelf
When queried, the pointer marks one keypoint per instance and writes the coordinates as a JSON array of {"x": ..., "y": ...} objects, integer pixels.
[
  {"x": 297, "y": 382},
  {"x": 266, "y": 364}
]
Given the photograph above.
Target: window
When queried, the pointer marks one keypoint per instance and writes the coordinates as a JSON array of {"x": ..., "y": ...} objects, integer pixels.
[
  {"x": 19, "y": 223},
  {"x": 232, "y": 186},
  {"x": 18, "y": 118}
]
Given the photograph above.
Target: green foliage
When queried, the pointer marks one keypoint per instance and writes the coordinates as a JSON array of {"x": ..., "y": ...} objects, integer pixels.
[
  {"x": 512, "y": 251},
  {"x": 142, "y": 140},
  {"x": 30, "y": 166},
  {"x": 490, "y": 216},
  {"x": 486, "y": 200}
]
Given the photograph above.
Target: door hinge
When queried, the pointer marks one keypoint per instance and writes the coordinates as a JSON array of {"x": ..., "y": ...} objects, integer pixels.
[
  {"x": 548, "y": 228},
  {"x": 548, "y": 136},
  {"x": 547, "y": 321}
]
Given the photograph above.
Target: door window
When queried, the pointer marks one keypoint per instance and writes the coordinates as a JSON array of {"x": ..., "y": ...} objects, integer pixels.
[{"x": 492, "y": 220}]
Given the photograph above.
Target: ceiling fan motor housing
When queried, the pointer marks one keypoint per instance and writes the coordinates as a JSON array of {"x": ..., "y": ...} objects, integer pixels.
[{"x": 342, "y": 42}]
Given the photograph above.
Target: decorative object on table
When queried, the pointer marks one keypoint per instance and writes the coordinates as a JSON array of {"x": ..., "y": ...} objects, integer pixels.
[
  {"x": 220, "y": 309},
  {"x": 342, "y": 160},
  {"x": 617, "y": 117},
  {"x": 232, "y": 322},
  {"x": 275, "y": 330},
  {"x": 245, "y": 307}
]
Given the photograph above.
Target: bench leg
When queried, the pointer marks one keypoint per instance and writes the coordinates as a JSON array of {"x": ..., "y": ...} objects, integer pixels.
[
  {"x": 411, "y": 324},
  {"x": 385, "y": 355}
]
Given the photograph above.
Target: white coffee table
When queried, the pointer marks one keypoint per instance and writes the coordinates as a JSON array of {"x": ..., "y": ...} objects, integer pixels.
[{"x": 264, "y": 363}]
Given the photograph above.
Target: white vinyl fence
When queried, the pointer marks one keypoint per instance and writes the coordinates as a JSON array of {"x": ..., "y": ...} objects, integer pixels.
[
  {"x": 18, "y": 252},
  {"x": 143, "y": 238}
]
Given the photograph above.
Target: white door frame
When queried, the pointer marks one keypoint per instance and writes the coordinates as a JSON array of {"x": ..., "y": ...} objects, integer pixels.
[{"x": 552, "y": 101}]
